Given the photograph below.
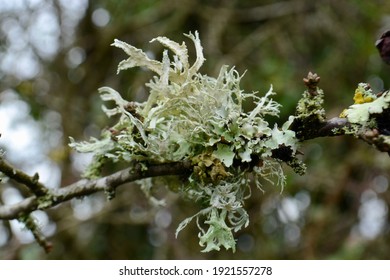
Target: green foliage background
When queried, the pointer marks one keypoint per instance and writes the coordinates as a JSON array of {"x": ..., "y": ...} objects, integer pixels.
[{"x": 317, "y": 216}]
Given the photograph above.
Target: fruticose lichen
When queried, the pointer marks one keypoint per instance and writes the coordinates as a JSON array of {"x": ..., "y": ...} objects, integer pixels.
[{"x": 191, "y": 116}]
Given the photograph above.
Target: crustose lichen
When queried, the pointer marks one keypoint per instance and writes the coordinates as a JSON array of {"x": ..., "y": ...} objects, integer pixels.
[{"x": 191, "y": 116}]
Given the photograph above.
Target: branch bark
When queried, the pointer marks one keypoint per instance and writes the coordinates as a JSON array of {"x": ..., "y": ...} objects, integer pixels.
[
  {"x": 83, "y": 187},
  {"x": 31, "y": 182}
]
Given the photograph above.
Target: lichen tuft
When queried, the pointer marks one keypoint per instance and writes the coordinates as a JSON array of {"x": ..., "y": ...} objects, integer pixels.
[{"x": 191, "y": 116}]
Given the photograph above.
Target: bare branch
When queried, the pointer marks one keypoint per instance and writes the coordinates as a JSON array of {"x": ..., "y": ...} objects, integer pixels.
[
  {"x": 86, "y": 187},
  {"x": 32, "y": 225},
  {"x": 32, "y": 182},
  {"x": 10, "y": 212}
]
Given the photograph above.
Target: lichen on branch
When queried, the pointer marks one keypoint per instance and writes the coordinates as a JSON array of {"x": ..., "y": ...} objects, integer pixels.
[
  {"x": 195, "y": 117},
  {"x": 369, "y": 117}
]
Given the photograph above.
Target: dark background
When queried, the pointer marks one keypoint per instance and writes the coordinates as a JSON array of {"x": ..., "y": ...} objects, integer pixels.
[{"x": 54, "y": 55}]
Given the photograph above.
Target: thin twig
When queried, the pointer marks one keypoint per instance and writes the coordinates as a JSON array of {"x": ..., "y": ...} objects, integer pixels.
[{"x": 31, "y": 182}]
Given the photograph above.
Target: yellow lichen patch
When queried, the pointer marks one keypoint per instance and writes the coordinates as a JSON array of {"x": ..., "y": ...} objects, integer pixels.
[
  {"x": 363, "y": 94},
  {"x": 361, "y": 98}
]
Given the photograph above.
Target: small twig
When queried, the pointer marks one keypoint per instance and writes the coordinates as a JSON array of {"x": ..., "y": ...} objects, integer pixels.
[
  {"x": 31, "y": 182},
  {"x": 373, "y": 137},
  {"x": 32, "y": 225},
  {"x": 310, "y": 114}
]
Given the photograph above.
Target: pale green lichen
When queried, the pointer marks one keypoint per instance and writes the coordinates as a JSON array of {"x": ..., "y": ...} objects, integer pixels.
[
  {"x": 310, "y": 114},
  {"x": 191, "y": 116},
  {"x": 369, "y": 115},
  {"x": 360, "y": 113},
  {"x": 311, "y": 105}
]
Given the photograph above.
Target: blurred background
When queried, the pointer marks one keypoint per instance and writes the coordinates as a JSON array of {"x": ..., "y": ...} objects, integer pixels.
[{"x": 55, "y": 54}]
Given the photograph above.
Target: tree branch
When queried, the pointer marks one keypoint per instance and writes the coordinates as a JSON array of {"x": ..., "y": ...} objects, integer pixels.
[
  {"x": 85, "y": 187},
  {"x": 331, "y": 127},
  {"x": 309, "y": 122}
]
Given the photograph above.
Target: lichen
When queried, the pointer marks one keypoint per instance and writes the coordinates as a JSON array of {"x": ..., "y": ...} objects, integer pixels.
[
  {"x": 362, "y": 113},
  {"x": 191, "y": 116},
  {"x": 363, "y": 94},
  {"x": 309, "y": 113}
]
